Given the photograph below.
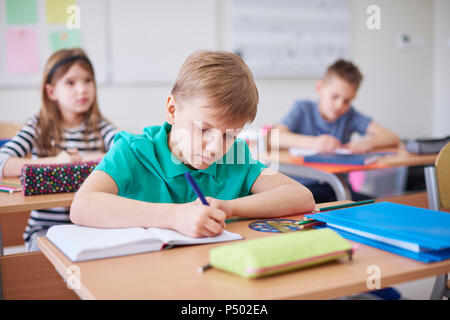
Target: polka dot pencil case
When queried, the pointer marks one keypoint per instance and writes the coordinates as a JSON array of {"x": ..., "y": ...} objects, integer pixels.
[{"x": 54, "y": 178}]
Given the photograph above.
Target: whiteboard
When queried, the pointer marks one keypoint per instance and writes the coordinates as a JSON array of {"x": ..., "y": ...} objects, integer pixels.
[
  {"x": 290, "y": 38},
  {"x": 151, "y": 39},
  {"x": 141, "y": 41},
  {"x": 92, "y": 34}
]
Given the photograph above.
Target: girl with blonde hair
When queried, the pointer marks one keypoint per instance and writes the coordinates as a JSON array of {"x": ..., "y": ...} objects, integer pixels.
[{"x": 68, "y": 128}]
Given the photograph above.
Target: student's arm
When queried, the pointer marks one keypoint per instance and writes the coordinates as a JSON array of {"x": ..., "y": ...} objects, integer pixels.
[
  {"x": 13, "y": 154},
  {"x": 376, "y": 136},
  {"x": 273, "y": 195},
  {"x": 322, "y": 143},
  {"x": 13, "y": 165},
  {"x": 97, "y": 204}
]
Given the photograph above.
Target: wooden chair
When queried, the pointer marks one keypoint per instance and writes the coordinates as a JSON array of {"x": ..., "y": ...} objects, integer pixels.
[
  {"x": 437, "y": 180},
  {"x": 8, "y": 129}
]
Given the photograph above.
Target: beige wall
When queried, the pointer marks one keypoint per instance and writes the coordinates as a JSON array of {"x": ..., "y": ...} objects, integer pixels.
[
  {"x": 441, "y": 68},
  {"x": 397, "y": 90}
]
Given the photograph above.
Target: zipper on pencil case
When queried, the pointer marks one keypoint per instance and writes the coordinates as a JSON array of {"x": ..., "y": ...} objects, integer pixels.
[{"x": 251, "y": 270}]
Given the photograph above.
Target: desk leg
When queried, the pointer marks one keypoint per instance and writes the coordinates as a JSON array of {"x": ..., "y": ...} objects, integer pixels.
[
  {"x": 337, "y": 182},
  {"x": 432, "y": 188},
  {"x": 440, "y": 288},
  {"x": 343, "y": 179}
]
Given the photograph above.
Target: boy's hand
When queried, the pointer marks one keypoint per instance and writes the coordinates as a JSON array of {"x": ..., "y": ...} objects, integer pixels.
[
  {"x": 197, "y": 220},
  {"x": 219, "y": 204},
  {"x": 327, "y": 143},
  {"x": 359, "y": 147}
]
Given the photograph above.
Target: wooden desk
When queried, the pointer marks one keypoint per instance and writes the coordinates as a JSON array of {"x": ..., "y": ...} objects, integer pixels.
[
  {"x": 31, "y": 276},
  {"x": 334, "y": 175},
  {"x": 13, "y": 206},
  {"x": 172, "y": 274},
  {"x": 17, "y": 202}
]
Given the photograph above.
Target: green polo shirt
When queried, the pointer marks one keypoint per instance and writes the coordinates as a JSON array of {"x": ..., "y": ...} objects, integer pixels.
[{"x": 144, "y": 169}]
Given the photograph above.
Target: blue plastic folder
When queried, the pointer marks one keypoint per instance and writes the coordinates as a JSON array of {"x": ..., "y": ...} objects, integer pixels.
[
  {"x": 416, "y": 233},
  {"x": 348, "y": 159}
]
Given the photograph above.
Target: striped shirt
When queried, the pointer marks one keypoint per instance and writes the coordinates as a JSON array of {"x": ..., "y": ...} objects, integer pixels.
[{"x": 25, "y": 142}]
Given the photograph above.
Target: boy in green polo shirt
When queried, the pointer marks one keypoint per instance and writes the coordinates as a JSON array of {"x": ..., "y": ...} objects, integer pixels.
[{"x": 140, "y": 182}]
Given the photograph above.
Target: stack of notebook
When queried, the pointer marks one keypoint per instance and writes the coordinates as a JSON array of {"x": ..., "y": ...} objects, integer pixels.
[{"x": 416, "y": 233}]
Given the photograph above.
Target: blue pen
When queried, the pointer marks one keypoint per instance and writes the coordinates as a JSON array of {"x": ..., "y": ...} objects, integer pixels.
[{"x": 195, "y": 187}]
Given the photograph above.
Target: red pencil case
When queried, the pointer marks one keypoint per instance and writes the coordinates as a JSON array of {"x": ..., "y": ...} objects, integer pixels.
[{"x": 54, "y": 178}]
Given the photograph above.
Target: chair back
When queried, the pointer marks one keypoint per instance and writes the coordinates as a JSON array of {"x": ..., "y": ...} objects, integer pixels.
[
  {"x": 8, "y": 129},
  {"x": 442, "y": 165}
]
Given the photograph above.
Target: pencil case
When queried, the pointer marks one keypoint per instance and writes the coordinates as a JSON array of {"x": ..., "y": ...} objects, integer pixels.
[
  {"x": 54, "y": 178},
  {"x": 282, "y": 253}
]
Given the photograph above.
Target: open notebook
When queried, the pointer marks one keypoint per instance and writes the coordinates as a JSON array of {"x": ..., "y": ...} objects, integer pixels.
[{"x": 84, "y": 243}]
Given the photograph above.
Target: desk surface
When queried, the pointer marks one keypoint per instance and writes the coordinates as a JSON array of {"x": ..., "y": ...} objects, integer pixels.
[
  {"x": 401, "y": 157},
  {"x": 17, "y": 202},
  {"x": 172, "y": 274}
]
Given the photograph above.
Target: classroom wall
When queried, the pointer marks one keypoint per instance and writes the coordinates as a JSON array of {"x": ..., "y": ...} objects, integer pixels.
[
  {"x": 441, "y": 68},
  {"x": 397, "y": 90}
]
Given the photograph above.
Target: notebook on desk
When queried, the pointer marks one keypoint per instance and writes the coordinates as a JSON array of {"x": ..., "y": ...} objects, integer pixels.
[
  {"x": 80, "y": 243},
  {"x": 302, "y": 152},
  {"x": 417, "y": 233}
]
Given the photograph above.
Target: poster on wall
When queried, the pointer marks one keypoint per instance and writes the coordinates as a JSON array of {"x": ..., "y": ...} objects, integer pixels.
[
  {"x": 290, "y": 38},
  {"x": 32, "y": 30}
]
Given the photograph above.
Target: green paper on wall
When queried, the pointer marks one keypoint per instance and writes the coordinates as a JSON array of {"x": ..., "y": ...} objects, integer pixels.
[
  {"x": 56, "y": 10},
  {"x": 65, "y": 39},
  {"x": 21, "y": 11}
]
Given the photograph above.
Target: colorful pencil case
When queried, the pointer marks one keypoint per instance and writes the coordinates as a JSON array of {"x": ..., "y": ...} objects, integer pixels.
[
  {"x": 277, "y": 254},
  {"x": 54, "y": 178}
]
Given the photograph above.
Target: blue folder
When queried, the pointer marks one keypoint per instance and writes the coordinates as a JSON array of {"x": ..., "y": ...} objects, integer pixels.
[
  {"x": 347, "y": 159},
  {"x": 428, "y": 229}
]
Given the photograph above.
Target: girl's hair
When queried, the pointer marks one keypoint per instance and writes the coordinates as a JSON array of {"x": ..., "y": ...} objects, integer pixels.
[{"x": 50, "y": 125}]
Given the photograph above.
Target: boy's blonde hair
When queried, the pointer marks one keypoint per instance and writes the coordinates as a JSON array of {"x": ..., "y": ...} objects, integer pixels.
[
  {"x": 225, "y": 79},
  {"x": 345, "y": 70}
]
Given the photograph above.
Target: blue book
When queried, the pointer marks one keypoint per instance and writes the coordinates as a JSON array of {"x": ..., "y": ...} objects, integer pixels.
[
  {"x": 349, "y": 159},
  {"x": 417, "y": 233}
]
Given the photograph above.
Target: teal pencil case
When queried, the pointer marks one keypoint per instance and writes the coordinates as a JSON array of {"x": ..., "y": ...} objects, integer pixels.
[{"x": 277, "y": 254}]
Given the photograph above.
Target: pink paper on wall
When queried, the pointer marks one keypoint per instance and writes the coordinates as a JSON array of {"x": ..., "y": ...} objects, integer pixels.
[{"x": 21, "y": 51}]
